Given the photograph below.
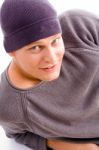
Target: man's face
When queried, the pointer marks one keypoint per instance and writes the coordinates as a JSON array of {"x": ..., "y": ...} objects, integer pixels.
[{"x": 40, "y": 60}]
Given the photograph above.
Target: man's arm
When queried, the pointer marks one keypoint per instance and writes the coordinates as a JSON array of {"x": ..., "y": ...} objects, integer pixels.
[
  {"x": 60, "y": 145},
  {"x": 29, "y": 139}
]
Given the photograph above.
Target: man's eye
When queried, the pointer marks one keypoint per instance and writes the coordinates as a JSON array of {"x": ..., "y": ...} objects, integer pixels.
[
  {"x": 36, "y": 49},
  {"x": 56, "y": 41}
]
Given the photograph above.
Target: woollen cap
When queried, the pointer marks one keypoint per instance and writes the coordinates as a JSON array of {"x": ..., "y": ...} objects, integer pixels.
[{"x": 26, "y": 21}]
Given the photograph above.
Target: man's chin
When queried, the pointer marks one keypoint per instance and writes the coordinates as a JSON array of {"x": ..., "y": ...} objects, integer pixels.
[{"x": 52, "y": 78}]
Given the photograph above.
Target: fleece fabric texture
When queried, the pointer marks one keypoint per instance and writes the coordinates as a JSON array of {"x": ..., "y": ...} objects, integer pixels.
[{"x": 66, "y": 108}]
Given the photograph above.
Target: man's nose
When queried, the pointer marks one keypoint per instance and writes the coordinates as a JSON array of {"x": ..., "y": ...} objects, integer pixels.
[{"x": 50, "y": 55}]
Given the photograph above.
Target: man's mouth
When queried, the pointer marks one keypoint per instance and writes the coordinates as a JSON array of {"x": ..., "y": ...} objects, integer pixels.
[{"x": 49, "y": 68}]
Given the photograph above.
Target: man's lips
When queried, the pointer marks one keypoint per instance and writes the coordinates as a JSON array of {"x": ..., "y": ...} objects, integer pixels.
[
  {"x": 52, "y": 67},
  {"x": 49, "y": 68}
]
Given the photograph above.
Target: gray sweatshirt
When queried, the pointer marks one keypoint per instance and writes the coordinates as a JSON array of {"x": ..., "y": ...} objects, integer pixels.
[{"x": 66, "y": 108}]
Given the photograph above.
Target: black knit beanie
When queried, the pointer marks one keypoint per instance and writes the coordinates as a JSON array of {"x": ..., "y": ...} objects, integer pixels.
[{"x": 26, "y": 21}]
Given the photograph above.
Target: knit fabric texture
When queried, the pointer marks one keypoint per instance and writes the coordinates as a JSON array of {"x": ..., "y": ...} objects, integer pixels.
[
  {"x": 64, "y": 109},
  {"x": 26, "y": 21}
]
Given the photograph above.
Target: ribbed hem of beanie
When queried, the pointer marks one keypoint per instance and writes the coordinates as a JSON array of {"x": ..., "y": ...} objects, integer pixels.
[{"x": 31, "y": 33}]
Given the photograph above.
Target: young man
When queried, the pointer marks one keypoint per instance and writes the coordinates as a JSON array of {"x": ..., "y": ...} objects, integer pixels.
[{"x": 39, "y": 99}]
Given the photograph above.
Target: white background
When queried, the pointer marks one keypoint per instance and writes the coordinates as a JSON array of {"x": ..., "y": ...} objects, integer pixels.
[{"x": 60, "y": 5}]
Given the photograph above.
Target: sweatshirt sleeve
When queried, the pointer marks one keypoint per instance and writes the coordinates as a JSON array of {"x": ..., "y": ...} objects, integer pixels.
[{"x": 29, "y": 139}]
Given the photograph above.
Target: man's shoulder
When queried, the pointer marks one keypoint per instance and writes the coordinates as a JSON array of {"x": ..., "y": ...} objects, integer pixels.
[{"x": 2, "y": 78}]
